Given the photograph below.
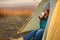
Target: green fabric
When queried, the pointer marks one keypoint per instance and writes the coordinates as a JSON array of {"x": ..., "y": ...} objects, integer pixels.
[{"x": 43, "y": 23}]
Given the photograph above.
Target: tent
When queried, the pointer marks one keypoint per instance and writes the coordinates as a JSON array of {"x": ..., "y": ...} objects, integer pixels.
[{"x": 52, "y": 31}]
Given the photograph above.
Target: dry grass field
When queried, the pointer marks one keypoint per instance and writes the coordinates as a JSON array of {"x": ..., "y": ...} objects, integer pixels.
[{"x": 12, "y": 19}]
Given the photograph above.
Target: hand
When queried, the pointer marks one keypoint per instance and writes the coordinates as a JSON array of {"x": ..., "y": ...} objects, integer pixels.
[{"x": 42, "y": 15}]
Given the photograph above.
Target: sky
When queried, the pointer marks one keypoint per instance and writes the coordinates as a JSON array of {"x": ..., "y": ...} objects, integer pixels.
[{"x": 18, "y": 2}]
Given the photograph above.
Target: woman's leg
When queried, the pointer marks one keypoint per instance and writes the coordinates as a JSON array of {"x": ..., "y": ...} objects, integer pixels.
[
  {"x": 30, "y": 35},
  {"x": 39, "y": 34}
]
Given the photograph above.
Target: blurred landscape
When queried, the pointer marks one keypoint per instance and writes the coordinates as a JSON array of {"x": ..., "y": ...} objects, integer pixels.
[{"x": 12, "y": 19}]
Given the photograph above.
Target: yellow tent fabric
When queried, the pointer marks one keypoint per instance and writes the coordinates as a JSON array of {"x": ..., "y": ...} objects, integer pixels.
[
  {"x": 54, "y": 27},
  {"x": 52, "y": 7}
]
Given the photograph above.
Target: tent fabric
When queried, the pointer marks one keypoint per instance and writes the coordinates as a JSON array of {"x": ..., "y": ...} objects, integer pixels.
[
  {"x": 54, "y": 27},
  {"x": 52, "y": 7},
  {"x": 34, "y": 22}
]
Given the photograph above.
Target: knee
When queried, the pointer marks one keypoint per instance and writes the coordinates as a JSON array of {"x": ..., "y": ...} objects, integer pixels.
[
  {"x": 39, "y": 34},
  {"x": 35, "y": 31},
  {"x": 40, "y": 31}
]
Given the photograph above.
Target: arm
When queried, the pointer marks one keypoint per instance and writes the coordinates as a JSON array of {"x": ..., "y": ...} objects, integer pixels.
[{"x": 42, "y": 15}]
